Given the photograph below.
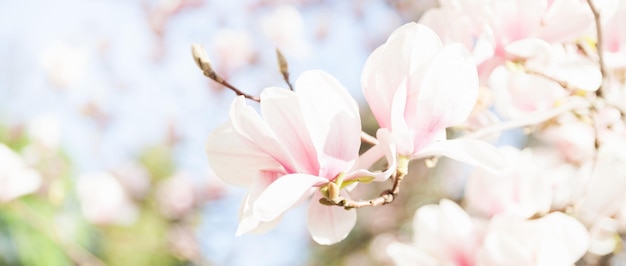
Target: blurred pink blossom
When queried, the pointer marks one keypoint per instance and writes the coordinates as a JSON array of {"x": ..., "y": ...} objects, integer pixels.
[
  {"x": 16, "y": 177},
  {"x": 175, "y": 195},
  {"x": 104, "y": 201},
  {"x": 554, "y": 239},
  {"x": 443, "y": 234},
  {"x": 520, "y": 189},
  {"x": 487, "y": 27}
]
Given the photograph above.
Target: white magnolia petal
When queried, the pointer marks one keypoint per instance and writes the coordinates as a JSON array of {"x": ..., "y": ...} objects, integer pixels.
[
  {"x": 565, "y": 240},
  {"x": 329, "y": 224},
  {"x": 407, "y": 49},
  {"x": 446, "y": 222},
  {"x": 331, "y": 114},
  {"x": 248, "y": 222},
  {"x": 402, "y": 134},
  {"x": 578, "y": 18},
  {"x": 252, "y": 224},
  {"x": 284, "y": 193},
  {"x": 407, "y": 255},
  {"x": 469, "y": 151},
  {"x": 528, "y": 48},
  {"x": 250, "y": 126},
  {"x": 499, "y": 248},
  {"x": 233, "y": 159},
  {"x": 606, "y": 191},
  {"x": 448, "y": 93},
  {"x": 378, "y": 98},
  {"x": 387, "y": 148},
  {"x": 282, "y": 112}
]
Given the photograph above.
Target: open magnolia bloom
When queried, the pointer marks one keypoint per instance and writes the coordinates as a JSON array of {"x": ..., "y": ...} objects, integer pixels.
[
  {"x": 445, "y": 234},
  {"x": 306, "y": 144},
  {"x": 488, "y": 27},
  {"x": 416, "y": 88}
]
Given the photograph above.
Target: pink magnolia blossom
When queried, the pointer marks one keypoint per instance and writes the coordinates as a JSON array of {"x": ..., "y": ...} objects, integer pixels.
[
  {"x": 304, "y": 140},
  {"x": 518, "y": 93},
  {"x": 554, "y": 239},
  {"x": 519, "y": 190},
  {"x": 488, "y": 27},
  {"x": 416, "y": 88},
  {"x": 443, "y": 234}
]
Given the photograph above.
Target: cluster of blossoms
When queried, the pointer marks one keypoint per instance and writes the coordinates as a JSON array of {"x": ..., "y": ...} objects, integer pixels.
[
  {"x": 306, "y": 142},
  {"x": 555, "y": 68}
]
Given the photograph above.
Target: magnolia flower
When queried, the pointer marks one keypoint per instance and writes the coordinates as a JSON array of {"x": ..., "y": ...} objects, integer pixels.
[
  {"x": 416, "y": 88},
  {"x": 443, "y": 234},
  {"x": 520, "y": 190},
  {"x": 306, "y": 142},
  {"x": 518, "y": 94},
  {"x": 555, "y": 239},
  {"x": 488, "y": 27}
]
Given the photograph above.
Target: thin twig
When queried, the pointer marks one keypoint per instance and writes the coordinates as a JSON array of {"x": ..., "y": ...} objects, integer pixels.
[
  {"x": 225, "y": 83},
  {"x": 528, "y": 121},
  {"x": 202, "y": 60},
  {"x": 562, "y": 83},
  {"x": 599, "y": 43},
  {"x": 385, "y": 197}
]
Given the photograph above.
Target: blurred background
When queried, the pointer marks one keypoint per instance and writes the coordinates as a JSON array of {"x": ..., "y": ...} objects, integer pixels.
[{"x": 104, "y": 117}]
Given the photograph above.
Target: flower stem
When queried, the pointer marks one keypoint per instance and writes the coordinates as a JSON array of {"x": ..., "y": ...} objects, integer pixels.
[
  {"x": 532, "y": 119},
  {"x": 599, "y": 43}
]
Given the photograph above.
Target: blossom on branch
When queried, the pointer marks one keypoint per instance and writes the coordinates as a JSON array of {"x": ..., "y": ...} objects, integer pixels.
[
  {"x": 306, "y": 144},
  {"x": 416, "y": 88}
]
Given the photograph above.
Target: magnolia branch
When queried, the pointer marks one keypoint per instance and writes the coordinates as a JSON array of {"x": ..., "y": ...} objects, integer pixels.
[
  {"x": 530, "y": 120},
  {"x": 202, "y": 60},
  {"x": 385, "y": 197},
  {"x": 599, "y": 43},
  {"x": 562, "y": 83}
]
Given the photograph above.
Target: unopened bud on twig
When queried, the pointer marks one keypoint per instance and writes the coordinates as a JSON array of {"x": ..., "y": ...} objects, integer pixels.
[
  {"x": 284, "y": 67},
  {"x": 282, "y": 62},
  {"x": 202, "y": 60}
]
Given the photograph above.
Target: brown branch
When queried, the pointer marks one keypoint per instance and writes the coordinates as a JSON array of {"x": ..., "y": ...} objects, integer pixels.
[
  {"x": 284, "y": 68},
  {"x": 385, "y": 197},
  {"x": 202, "y": 60},
  {"x": 599, "y": 43},
  {"x": 562, "y": 83}
]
